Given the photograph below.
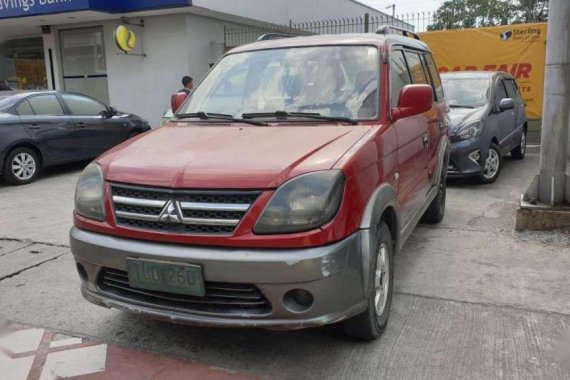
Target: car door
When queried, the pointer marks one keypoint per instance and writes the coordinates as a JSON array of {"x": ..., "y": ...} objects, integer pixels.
[
  {"x": 520, "y": 117},
  {"x": 45, "y": 120},
  {"x": 437, "y": 117},
  {"x": 505, "y": 120},
  {"x": 105, "y": 130},
  {"x": 412, "y": 136}
]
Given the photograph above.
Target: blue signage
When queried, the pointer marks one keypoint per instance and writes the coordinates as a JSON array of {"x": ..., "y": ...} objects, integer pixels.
[{"x": 23, "y": 8}]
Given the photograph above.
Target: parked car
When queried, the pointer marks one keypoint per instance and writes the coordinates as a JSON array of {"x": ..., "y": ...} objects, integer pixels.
[
  {"x": 488, "y": 121},
  {"x": 44, "y": 128},
  {"x": 279, "y": 194}
]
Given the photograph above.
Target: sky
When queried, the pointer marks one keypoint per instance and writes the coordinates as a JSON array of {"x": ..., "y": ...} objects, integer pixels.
[{"x": 404, "y": 6}]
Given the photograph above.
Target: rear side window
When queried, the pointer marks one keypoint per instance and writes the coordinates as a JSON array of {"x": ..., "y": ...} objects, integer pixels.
[
  {"x": 512, "y": 88},
  {"x": 24, "y": 109},
  {"x": 46, "y": 105},
  {"x": 399, "y": 76},
  {"x": 416, "y": 68},
  {"x": 436, "y": 80},
  {"x": 82, "y": 106}
]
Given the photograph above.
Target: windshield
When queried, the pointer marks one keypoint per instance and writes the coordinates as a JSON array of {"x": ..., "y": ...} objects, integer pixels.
[
  {"x": 338, "y": 81},
  {"x": 466, "y": 92}
]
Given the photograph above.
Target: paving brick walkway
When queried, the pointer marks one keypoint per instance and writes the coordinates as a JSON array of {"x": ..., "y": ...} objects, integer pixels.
[{"x": 29, "y": 353}]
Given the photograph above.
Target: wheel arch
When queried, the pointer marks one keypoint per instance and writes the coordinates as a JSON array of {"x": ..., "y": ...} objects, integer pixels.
[{"x": 29, "y": 145}]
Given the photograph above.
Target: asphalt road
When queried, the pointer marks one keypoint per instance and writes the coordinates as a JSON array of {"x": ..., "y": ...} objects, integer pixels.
[{"x": 474, "y": 299}]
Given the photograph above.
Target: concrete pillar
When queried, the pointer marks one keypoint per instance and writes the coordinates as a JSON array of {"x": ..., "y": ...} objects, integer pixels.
[{"x": 550, "y": 187}]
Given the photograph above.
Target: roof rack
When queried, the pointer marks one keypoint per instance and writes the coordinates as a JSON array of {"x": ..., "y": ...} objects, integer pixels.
[
  {"x": 274, "y": 36},
  {"x": 389, "y": 29}
]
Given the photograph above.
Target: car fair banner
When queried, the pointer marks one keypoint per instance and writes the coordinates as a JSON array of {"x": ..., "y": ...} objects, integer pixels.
[{"x": 519, "y": 49}]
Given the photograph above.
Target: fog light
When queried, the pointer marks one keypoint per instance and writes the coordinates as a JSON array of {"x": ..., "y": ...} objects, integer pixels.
[
  {"x": 298, "y": 300},
  {"x": 82, "y": 272},
  {"x": 475, "y": 156}
]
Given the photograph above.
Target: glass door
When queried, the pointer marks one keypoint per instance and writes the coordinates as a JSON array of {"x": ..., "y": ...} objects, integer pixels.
[{"x": 84, "y": 64}]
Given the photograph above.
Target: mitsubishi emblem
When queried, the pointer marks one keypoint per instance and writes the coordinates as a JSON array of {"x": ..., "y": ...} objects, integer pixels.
[{"x": 171, "y": 213}]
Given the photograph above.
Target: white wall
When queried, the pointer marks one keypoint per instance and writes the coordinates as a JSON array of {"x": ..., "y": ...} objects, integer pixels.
[
  {"x": 280, "y": 11},
  {"x": 143, "y": 85}
]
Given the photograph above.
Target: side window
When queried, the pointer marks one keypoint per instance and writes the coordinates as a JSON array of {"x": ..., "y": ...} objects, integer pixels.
[
  {"x": 512, "y": 88},
  {"x": 399, "y": 75},
  {"x": 500, "y": 92},
  {"x": 46, "y": 105},
  {"x": 416, "y": 68},
  {"x": 82, "y": 106},
  {"x": 24, "y": 109},
  {"x": 438, "y": 87}
]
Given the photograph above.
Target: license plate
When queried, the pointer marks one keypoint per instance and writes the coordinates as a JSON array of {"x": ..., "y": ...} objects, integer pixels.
[{"x": 166, "y": 277}]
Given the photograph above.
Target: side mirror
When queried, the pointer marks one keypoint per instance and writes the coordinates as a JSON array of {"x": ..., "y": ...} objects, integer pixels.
[
  {"x": 113, "y": 111},
  {"x": 414, "y": 99},
  {"x": 176, "y": 100},
  {"x": 506, "y": 104}
]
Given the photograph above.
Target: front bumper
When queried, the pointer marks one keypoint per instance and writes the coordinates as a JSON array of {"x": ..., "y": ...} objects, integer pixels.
[
  {"x": 333, "y": 274},
  {"x": 460, "y": 162}
]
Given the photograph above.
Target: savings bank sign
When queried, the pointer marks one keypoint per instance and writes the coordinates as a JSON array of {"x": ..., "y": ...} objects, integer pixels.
[{"x": 22, "y": 8}]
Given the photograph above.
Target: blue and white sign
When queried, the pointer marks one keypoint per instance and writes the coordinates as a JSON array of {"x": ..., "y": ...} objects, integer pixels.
[{"x": 23, "y": 8}]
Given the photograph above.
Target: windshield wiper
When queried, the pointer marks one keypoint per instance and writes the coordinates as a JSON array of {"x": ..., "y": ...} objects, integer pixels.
[
  {"x": 216, "y": 116},
  {"x": 308, "y": 115},
  {"x": 460, "y": 106}
]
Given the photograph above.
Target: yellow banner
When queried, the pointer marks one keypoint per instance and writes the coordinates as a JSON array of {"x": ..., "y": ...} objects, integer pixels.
[{"x": 518, "y": 49}]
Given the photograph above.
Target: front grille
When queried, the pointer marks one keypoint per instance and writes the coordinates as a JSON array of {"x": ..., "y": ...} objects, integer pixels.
[
  {"x": 221, "y": 298},
  {"x": 181, "y": 211}
]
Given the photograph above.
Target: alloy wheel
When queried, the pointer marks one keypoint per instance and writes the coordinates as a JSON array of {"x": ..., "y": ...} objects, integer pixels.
[
  {"x": 24, "y": 166},
  {"x": 523, "y": 144},
  {"x": 492, "y": 164},
  {"x": 381, "y": 279}
]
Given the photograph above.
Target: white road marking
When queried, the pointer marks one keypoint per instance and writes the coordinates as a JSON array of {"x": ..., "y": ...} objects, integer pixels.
[
  {"x": 81, "y": 361},
  {"x": 15, "y": 369},
  {"x": 22, "y": 341},
  {"x": 65, "y": 342}
]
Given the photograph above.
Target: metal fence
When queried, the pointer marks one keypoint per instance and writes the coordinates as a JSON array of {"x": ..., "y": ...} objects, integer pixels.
[{"x": 367, "y": 24}]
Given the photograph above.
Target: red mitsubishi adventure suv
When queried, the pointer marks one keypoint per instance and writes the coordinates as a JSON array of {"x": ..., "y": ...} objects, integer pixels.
[{"x": 279, "y": 193}]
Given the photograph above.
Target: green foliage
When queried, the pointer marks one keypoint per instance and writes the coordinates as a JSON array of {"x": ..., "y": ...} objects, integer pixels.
[{"x": 457, "y": 14}]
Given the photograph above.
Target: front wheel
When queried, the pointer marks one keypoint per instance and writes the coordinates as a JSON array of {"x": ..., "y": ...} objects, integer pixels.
[
  {"x": 371, "y": 323},
  {"x": 492, "y": 165}
]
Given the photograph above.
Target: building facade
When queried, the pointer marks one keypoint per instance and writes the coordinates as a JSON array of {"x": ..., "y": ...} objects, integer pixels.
[{"x": 70, "y": 44}]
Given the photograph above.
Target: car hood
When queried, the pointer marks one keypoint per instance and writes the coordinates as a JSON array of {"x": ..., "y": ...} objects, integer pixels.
[
  {"x": 213, "y": 156},
  {"x": 458, "y": 116}
]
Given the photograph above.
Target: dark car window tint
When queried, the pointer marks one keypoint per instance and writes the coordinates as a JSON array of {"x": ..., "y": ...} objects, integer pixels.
[
  {"x": 399, "y": 76},
  {"x": 46, "y": 105},
  {"x": 82, "y": 106},
  {"x": 500, "y": 92},
  {"x": 416, "y": 68},
  {"x": 512, "y": 89},
  {"x": 24, "y": 109},
  {"x": 435, "y": 77}
]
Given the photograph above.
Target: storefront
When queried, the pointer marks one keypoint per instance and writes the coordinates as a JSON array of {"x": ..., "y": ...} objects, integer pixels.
[{"x": 70, "y": 44}]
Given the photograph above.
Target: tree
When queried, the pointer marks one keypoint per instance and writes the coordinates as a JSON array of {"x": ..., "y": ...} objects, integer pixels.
[{"x": 456, "y": 14}]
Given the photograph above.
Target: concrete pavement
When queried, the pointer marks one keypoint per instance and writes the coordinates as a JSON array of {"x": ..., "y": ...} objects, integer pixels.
[{"x": 473, "y": 298}]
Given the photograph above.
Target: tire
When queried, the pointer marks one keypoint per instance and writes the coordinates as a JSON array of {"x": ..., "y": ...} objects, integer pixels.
[
  {"x": 371, "y": 323},
  {"x": 27, "y": 160},
  {"x": 520, "y": 150},
  {"x": 495, "y": 162},
  {"x": 436, "y": 210}
]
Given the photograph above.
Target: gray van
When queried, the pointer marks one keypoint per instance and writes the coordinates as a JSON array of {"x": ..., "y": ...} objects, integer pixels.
[{"x": 487, "y": 122}]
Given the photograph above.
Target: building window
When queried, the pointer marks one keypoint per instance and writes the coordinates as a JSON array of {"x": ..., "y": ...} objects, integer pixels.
[{"x": 22, "y": 64}]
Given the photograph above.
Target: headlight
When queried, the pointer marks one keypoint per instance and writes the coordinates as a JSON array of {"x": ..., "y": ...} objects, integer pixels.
[
  {"x": 470, "y": 130},
  {"x": 89, "y": 193},
  {"x": 302, "y": 204}
]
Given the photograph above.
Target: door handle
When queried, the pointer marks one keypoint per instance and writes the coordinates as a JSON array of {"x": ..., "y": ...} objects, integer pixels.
[
  {"x": 35, "y": 126},
  {"x": 425, "y": 140},
  {"x": 80, "y": 125}
]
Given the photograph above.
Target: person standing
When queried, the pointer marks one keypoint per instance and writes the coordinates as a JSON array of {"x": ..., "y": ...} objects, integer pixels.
[{"x": 188, "y": 84}]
